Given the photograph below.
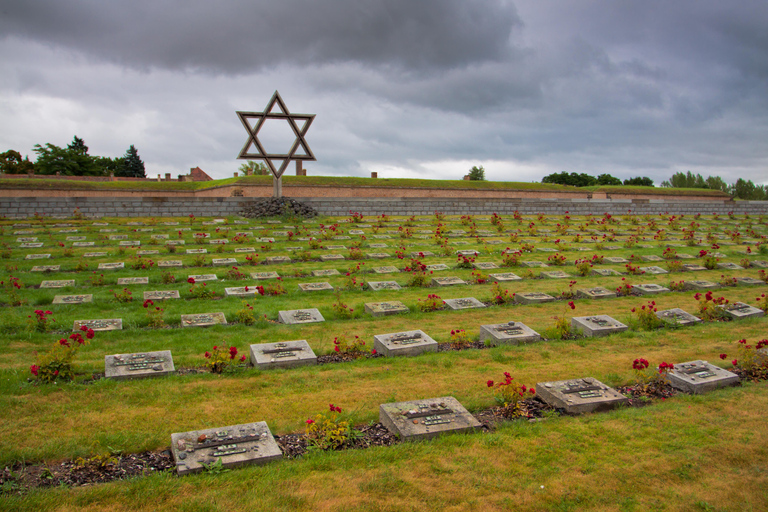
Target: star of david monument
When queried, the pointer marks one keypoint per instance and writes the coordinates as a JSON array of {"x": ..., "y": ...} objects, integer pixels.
[{"x": 254, "y": 150}]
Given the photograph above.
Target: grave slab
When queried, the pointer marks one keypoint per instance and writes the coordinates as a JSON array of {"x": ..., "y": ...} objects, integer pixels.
[
  {"x": 132, "y": 280},
  {"x": 651, "y": 257},
  {"x": 284, "y": 354},
  {"x": 615, "y": 260},
  {"x": 37, "y": 256},
  {"x": 691, "y": 267},
  {"x": 94, "y": 255},
  {"x": 423, "y": 419},
  {"x": 45, "y": 268},
  {"x": 383, "y": 285},
  {"x": 219, "y": 262},
  {"x": 649, "y": 289},
  {"x": 698, "y": 377},
  {"x": 276, "y": 260},
  {"x": 245, "y": 249},
  {"x": 505, "y": 277},
  {"x": 579, "y": 396},
  {"x": 300, "y": 316},
  {"x": 653, "y": 270},
  {"x": 447, "y": 281},
  {"x": 485, "y": 265},
  {"x": 555, "y": 274},
  {"x": 235, "y": 445},
  {"x": 72, "y": 299},
  {"x": 597, "y": 325},
  {"x": 331, "y": 257},
  {"x": 406, "y": 343},
  {"x": 437, "y": 267},
  {"x": 464, "y": 303},
  {"x": 533, "y": 264},
  {"x": 598, "y": 292},
  {"x": 265, "y": 275},
  {"x": 169, "y": 263},
  {"x": 377, "y": 255},
  {"x": 510, "y": 333},
  {"x": 729, "y": 266},
  {"x": 533, "y": 298},
  {"x": 315, "y": 287},
  {"x": 61, "y": 283},
  {"x": 700, "y": 285},
  {"x": 203, "y": 319},
  {"x": 325, "y": 272},
  {"x": 605, "y": 272},
  {"x": 739, "y": 310},
  {"x": 106, "y": 324},
  {"x": 392, "y": 307},
  {"x": 389, "y": 269},
  {"x": 677, "y": 316},
  {"x": 112, "y": 266},
  {"x": 751, "y": 281},
  {"x": 147, "y": 253},
  {"x": 201, "y": 278},
  {"x": 197, "y": 251},
  {"x": 240, "y": 291},
  {"x": 161, "y": 294}
]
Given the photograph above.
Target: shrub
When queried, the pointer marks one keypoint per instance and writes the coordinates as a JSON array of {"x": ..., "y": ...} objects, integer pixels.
[
  {"x": 200, "y": 291},
  {"x": 341, "y": 309},
  {"x": 355, "y": 253},
  {"x": 235, "y": 274},
  {"x": 500, "y": 295},
  {"x": 675, "y": 265},
  {"x": 167, "y": 278},
  {"x": 245, "y": 314},
  {"x": 56, "y": 363},
  {"x": 328, "y": 431},
  {"x": 252, "y": 259},
  {"x": 154, "y": 314},
  {"x": 510, "y": 258},
  {"x": 433, "y": 302},
  {"x": 708, "y": 310},
  {"x": 464, "y": 261},
  {"x": 509, "y": 395},
  {"x": 646, "y": 316},
  {"x": 562, "y": 328},
  {"x": 557, "y": 260},
  {"x": 583, "y": 266},
  {"x": 11, "y": 288},
  {"x": 349, "y": 347},
  {"x": 625, "y": 289},
  {"x": 459, "y": 339},
  {"x": 123, "y": 296},
  {"x": 40, "y": 322},
  {"x": 221, "y": 358},
  {"x": 748, "y": 360}
]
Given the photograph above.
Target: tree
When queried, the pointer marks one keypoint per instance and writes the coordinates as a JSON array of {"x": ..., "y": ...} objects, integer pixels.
[
  {"x": 253, "y": 167},
  {"x": 133, "y": 167},
  {"x": 477, "y": 173},
  {"x": 72, "y": 161},
  {"x": 573, "y": 179},
  {"x": 717, "y": 183},
  {"x": 680, "y": 180},
  {"x": 78, "y": 145},
  {"x": 643, "y": 182},
  {"x": 109, "y": 165},
  {"x": 12, "y": 163},
  {"x": 608, "y": 180}
]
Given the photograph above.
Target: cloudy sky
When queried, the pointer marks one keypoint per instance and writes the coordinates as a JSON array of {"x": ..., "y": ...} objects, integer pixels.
[{"x": 407, "y": 88}]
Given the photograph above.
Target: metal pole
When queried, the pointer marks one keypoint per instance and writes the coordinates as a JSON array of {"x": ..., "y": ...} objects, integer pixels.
[{"x": 277, "y": 186}]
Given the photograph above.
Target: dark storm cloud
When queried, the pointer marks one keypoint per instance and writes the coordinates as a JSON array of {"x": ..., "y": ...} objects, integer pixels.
[{"x": 244, "y": 36}]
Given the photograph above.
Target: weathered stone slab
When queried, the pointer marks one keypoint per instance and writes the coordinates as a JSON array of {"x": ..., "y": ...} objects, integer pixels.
[
  {"x": 598, "y": 292},
  {"x": 555, "y": 274},
  {"x": 129, "y": 243},
  {"x": 45, "y": 268},
  {"x": 691, "y": 267},
  {"x": 700, "y": 285},
  {"x": 203, "y": 319},
  {"x": 276, "y": 260},
  {"x": 759, "y": 263},
  {"x": 533, "y": 264},
  {"x": 31, "y": 245},
  {"x": 751, "y": 281},
  {"x": 148, "y": 252},
  {"x": 220, "y": 262},
  {"x": 331, "y": 257},
  {"x": 235, "y": 445},
  {"x": 510, "y": 333},
  {"x": 406, "y": 343},
  {"x": 112, "y": 266},
  {"x": 447, "y": 281},
  {"x": 37, "y": 256},
  {"x": 300, "y": 316},
  {"x": 651, "y": 257},
  {"x": 700, "y": 377},
  {"x": 220, "y": 241},
  {"x": 423, "y": 419},
  {"x": 315, "y": 287},
  {"x": 265, "y": 275},
  {"x": 392, "y": 307},
  {"x": 325, "y": 272},
  {"x": 389, "y": 269},
  {"x": 464, "y": 303},
  {"x": 649, "y": 289},
  {"x": 437, "y": 267},
  {"x": 505, "y": 277},
  {"x": 71, "y": 239},
  {"x": 378, "y": 246},
  {"x": 739, "y": 310},
  {"x": 201, "y": 278},
  {"x": 485, "y": 265},
  {"x": 94, "y": 255},
  {"x": 61, "y": 283},
  {"x": 162, "y": 294},
  {"x": 653, "y": 270},
  {"x": 132, "y": 280},
  {"x": 72, "y": 299},
  {"x": 615, "y": 260},
  {"x": 118, "y": 237},
  {"x": 597, "y": 325},
  {"x": 378, "y": 255},
  {"x": 240, "y": 291},
  {"x": 169, "y": 263},
  {"x": 245, "y": 249},
  {"x": 197, "y": 251},
  {"x": 106, "y": 324},
  {"x": 533, "y": 298},
  {"x": 579, "y": 396},
  {"x": 284, "y": 354},
  {"x": 605, "y": 272},
  {"x": 729, "y": 266},
  {"x": 677, "y": 316},
  {"x": 383, "y": 285}
]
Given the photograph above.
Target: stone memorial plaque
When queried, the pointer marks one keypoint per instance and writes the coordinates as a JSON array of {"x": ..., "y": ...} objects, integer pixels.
[
  {"x": 407, "y": 343},
  {"x": 276, "y": 260},
  {"x": 423, "y": 419},
  {"x": 147, "y": 253},
  {"x": 510, "y": 333},
  {"x": 378, "y": 237},
  {"x": 598, "y": 292},
  {"x": 392, "y": 307},
  {"x": 468, "y": 252},
  {"x": 197, "y": 251},
  {"x": 159, "y": 237},
  {"x": 336, "y": 247},
  {"x": 729, "y": 266},
  {"x": 173, "y": 223},
  {"x": 315, "y": 287},
  {"x": 300, "y": 316},
  {"x": 235, "y": 445},
  {"x": 750, "y": 281},
  {"x": 505, "y": 277},
  {"x": 135, "y": 223},
  {"x": 690, "y": 267},
  {"x": 533, "y": 264},
  {"x": 169, "y": 263},
  {"x": 378, "y": 246},
  {"x": 464, "y": 303},
  {"x": 377, "y": 255},
  {"x": 46, "y": 268},
  {"x": 240, "y": 291},
  {"x": 162, "y": 294},
  {"x": 61, "y": 283},
  {"x": 75, "y": 238},
  {"x": 265, "y": 240},
  {"x": 739, "y": 310},
  {"x": 24, "y": 232},
  {"x": 700, "y": 285},
  {"x": 759, "y": 263},
  {"x": 356, "y": 232},
  {"x": 422, "y": 254},
  {"x": 649, "y": 289},
  {"x": 447, "y": 281},
  {"x": 331, "y": 257},
  {"x": 219, "y": 262},
  {"x": 437, "y": 267},
  {"x": 699, "y": 377},
  {"x": 265, "y": 275},
  {"x": 176, "y": 242},
  {"x": 218, "y": 241},
  {"x": 107, "y": 324},
  {"x": 285, "y": 354},
  {"x": 31, "y": 245},
  {"x": 72, "y": 299},
  {"x": 597, "y": 325},
  {"x": 533, "y": 298},
  {"x": 94, "y": 255},
  {"x": 201, "y": 278},
  {"x": 579, "y": 396},
  {"x": 389, "y": 269},
  {"x": 683, "y": 256},
  {"x": 485, "y": 265},
  {"x": 325, "y": 272},
  {"x": 203, "y": 320},
  {"x": 555, "y": 274},
  {"x": 118, "y": 237},
  {"x": 651, "y": 257},
  {"x": 546, "y": 249},
  {"x": 112, "y": 266},
  {"x": 245, "y": 249},
  {"x": 383, "y": 285},
  {"x": 37, "y": 256},
  {"x": 677, "y": 316},
  {"x": 653, "y": 270},
  {"x": 605, "y": 272},
  {"x": 107, "y": 230},
  {"x": 133, "y": 280}
]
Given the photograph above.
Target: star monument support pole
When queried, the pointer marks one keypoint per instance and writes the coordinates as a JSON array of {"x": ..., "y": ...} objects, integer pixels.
[{"x": 277, "y": 186}]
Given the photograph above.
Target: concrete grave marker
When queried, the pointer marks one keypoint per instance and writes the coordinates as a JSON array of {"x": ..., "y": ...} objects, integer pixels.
[
  {"x": 277, "y": 260},
  {"x": 94, "y": 255},
  {"x": 597, "y": 325},
  {"x": 505, "y": 277},
  {"x": 377, "y": 255},
  {"x": 235, "y": 445},
  {"x": 407, "y": 343},
  {"x": 201, "y": 278},
  {"x": 579, "y": 396},
  {"x": 510, "y": 333},
  {"x": 700, "y": 285},
  {"x": 649, "y": 289},
  {"x": 486, "y": 265},
  {"x": 729, "y": 266},
  {"x": 245, "y": 249},
  {"x": 72, "y": 299},
  {"x": 690, "y": 267},
  {"x": 46, "y": 268},
  {"x": 533, "y": 298},
  {"x": 651, "y": 257},
  {"x": 700, "y": 377},
  {"x": 112, "y": 266},
  {"x": 169, "y": 263},
  {"x": 464, "y": 303},
  {"x": 533, "y": 264},
  {"x": 392, "y": 307},
  {"x": 37, "y": 256},
  {"x": 265, "y": 275},
  {"x": 106, "y": 324},
  {"x": 284, "y": 354},
  {"x": 325, "y": 272},
  {"x": 61, "y": 283},
  {"x": 300, "y": 316},
  {"x": 389, "y": 269},
  {"x": 162, "y": 294},
  {"x": 750, "y": 281},
  {"x": 653, "y": 270},
  {"x": 331, "y": 257},
  {"x": 203, "y": 319},
  {"x": 132, "y": 280},
  {"x": 31, "y": 245},
  {"x": 315, "y": 287},
  {"x": 423, "y": 419},
  {"x": 197, "y": 251},
  {"x": 383, "y": 285},
  {"x": 147, "y": 253},
  {"x": 739, "y": 310},
  {"x": 378, "y": 246},
  {"x": 219, "y": 262},
  {"x": 437, "y": 267},
  {"x": 677, "y": 316},
  {"x": 240, "y": 291},
  {"x": 75, "y": 238},
  {"x": 447, "y": 281},
  {"x": 118, "y": 237},
  {"x": 605, "y": 272},
  {"x": 598, "y": 292},
  {"x": 555, "y": 274}
]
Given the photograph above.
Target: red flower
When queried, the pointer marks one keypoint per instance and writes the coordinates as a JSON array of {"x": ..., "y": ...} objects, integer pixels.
[
  {"x": 191, "y": 280},
  {"x": 64, "y": 342},
  {"x": 310, "y": 421},
  {"x": 572, "y": 305},
  {"x": 723, "y": 356},
  {"x": 532, "y": 391},
  {"x": 207, "y": 354},
  {"x": 232, "y": 352},
  {"x": 83, "y": 327},
  {"x": 336, "y": 348},
  {"x": 735, "y": 362},
  {"x": 148, "y": 303},
  {"x": 56, "y": 373},
  {"x": 373, "y": 352},
  {"x": 242, "y": 359},
  {"x": 34, "y": 369},
  {"x": 334, "y": 408},
  {"x": 489, "y": 383}
]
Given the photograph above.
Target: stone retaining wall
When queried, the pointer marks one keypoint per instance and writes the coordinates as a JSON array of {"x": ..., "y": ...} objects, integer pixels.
[{"x": 21, "y": 207}]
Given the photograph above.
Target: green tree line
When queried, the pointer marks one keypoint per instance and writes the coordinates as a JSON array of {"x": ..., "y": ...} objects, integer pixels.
[{"x": 585, "y": 180}]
